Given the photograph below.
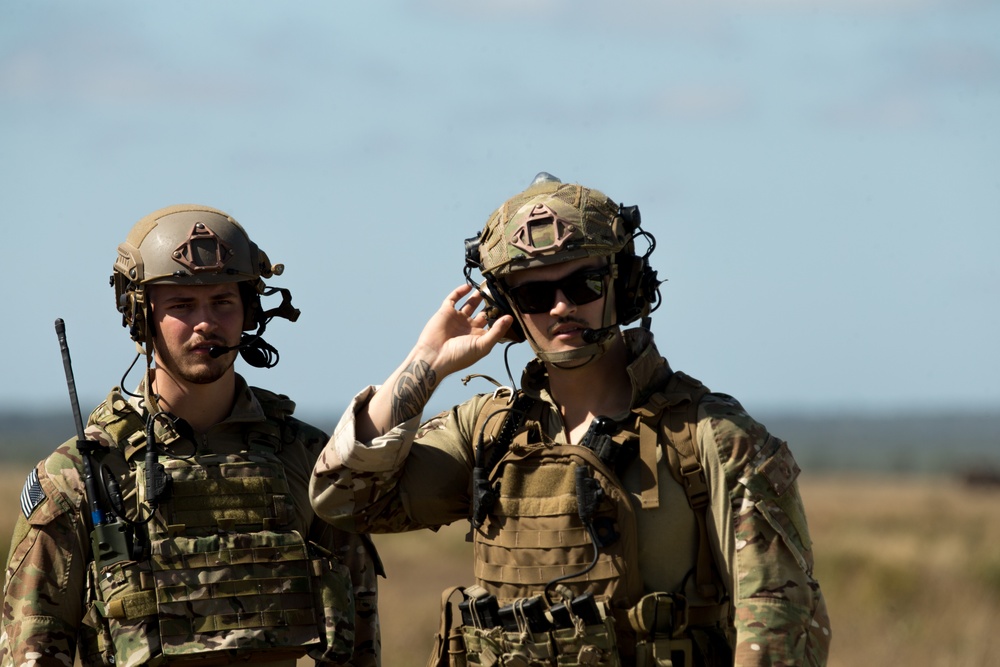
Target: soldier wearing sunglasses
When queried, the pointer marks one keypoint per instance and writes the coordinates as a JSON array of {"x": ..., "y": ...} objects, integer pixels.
[{"x": 621, "y": 513}]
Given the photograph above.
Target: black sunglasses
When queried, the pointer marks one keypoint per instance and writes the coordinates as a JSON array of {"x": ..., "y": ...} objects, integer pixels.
[{"x": 579, "y": 288}]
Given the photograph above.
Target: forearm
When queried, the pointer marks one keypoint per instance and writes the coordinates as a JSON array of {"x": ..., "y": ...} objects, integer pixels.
[
  {"x": 396, "y": 483},
  {"x": 351, "y": 477},
  {"x": 401, "y": 398},
  {"x": 453, "y": 339}
]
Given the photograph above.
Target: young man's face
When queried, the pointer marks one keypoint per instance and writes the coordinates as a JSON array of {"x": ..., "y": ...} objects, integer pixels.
[
  {"x": 189, "y": 320},
  {"x": 558, "y": 293}
]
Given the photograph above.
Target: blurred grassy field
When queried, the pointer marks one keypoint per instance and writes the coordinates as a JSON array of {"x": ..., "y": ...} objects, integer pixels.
[{"x": 910, "y": 568}]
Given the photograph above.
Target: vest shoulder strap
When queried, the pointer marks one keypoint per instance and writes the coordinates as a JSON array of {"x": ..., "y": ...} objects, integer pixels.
[
  {"x": 679, "y": 427},
  {"x": 278, "y": 408},
  {"x": 671, "y": 419},
  {"x": 499, "y": 420},
  {"x": 123, "y": 425},
  {"x": 679, "y": 423}
]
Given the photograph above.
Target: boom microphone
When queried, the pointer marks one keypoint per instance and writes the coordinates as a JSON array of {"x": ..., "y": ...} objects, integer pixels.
[
  {"x": 254, "y": 350},
  {"x": 591, "y": 336},
  {"x": 217, "y": 351}
]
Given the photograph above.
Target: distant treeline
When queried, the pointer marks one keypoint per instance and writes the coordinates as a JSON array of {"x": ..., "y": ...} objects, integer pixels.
[
  {"x": 931, "y": 443},
  {"x": 946, "y": 442}
]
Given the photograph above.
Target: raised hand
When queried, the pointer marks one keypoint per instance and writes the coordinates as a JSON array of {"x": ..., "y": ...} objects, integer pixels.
[{"x": 454, "y": 338}]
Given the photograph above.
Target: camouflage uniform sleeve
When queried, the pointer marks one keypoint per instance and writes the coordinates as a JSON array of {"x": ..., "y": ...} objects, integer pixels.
[
  {"x": 780, "y": 613},
  {"x": 415, "y": 476},
  {"x": 46, "y": 569}
]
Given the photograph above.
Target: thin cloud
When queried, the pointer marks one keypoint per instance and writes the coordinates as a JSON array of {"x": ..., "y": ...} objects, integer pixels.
[
  {"x": 630, "y": 10},
  {"x": 703, "y": 102}
]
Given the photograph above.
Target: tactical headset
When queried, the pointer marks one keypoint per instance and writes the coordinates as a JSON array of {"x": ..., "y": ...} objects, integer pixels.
[
  {"x": 197, "y": 245},
  {"x": 635, "y": 285}
]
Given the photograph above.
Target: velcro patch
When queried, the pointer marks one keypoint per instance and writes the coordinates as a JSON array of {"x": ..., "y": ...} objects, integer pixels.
[{"x": 32, "y": 494}]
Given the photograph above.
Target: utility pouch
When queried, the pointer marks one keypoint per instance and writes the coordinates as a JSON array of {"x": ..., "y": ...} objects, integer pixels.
[
  {"x": 449, "y": 649},
  {"x": 663, "y": 653},
  {"x": 95, "y": 645},
  {"x": 587, "y": 645},
  {"x": 483, "y": 646},
  {"x": 334, "y": 597},
  {"x": 527, "y": 649},
  {"x": 127, "y": 606},
  {"x": 660, "y": 621}
]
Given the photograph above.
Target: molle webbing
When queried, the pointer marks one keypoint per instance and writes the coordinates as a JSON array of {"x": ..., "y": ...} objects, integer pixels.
[
  {"x": 241, "y": 501},
  {"x": 223, "y": 592},
  {"x": 122, "y": 424},
  {"x": 229, "y": 572},
  {"x": 234, "y": 591},
  {"x": 214, "y": 561},
  {"x": 534, "y": 533}
]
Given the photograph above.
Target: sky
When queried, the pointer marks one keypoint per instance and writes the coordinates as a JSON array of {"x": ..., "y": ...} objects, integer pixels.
[{"x": 822, "y": 178}]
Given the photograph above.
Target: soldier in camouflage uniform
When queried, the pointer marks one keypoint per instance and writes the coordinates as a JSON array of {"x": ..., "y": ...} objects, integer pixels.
[
  {"x": 608, "y": 482},
  {"x": 179, "y": 529}
]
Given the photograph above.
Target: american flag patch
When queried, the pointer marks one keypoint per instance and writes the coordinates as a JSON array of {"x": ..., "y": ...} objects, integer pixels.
[{"x": 32, "y": 494}]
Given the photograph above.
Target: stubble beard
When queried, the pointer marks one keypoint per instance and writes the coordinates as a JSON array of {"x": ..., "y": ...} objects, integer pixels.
[{"x": 201, "y": 372}]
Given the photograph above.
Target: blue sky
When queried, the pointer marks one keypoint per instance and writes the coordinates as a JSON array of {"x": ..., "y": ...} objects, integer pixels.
[{"x": 822, "y": 178}]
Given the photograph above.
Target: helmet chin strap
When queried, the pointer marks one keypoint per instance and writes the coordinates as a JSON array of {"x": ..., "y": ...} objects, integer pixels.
[{"x": 587, "y": 353}]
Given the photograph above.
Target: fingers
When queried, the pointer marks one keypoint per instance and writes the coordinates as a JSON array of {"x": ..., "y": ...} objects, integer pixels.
[
  {"x": 468, "y": 308},
  {"x": 497, "y": 331},
  {"x": 471, "y": 304},
  {"x": 455, "y": 296}
]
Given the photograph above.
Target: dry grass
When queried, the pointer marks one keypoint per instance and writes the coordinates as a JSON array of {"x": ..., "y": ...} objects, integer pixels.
[{"x": 910, "y": 568}]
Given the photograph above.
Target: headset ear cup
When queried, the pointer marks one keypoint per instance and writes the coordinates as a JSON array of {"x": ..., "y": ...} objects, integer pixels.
[
  {"x": 497, "y": 306},
  {"x": 629, "y": 299},
  {"x": 251, "y": 306},
  {"x": 134, "y": 318},
  {"x": 515, "y": 333}
]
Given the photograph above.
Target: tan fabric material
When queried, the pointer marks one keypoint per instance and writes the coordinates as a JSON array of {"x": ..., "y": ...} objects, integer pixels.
[{"x": 754, "y": 519}]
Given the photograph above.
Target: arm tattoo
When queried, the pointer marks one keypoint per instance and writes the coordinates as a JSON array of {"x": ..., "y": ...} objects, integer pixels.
[{"x": 412, "y": 391}]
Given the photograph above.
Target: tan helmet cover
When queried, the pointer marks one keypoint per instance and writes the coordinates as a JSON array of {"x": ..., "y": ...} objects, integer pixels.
[
  {"x": 553, "y": 222},
  {"x": 186, "y": 244},
  {"x": 549, "y": 223}
]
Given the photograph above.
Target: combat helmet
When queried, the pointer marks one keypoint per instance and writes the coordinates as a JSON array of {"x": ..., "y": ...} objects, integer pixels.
[
  {"x": 552, "y": 222},
  {"x": 190, "y": 244}
]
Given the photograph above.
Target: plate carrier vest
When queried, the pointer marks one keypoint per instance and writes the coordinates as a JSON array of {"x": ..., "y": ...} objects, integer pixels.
[
  {"x": 227, "y": 573},
  {"x": 528, "y": 530}
]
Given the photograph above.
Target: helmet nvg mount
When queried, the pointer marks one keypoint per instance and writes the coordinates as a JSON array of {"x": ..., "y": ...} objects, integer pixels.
[
  {"x": 190, "y": 244},
  {"x": 552, "y": 222}
]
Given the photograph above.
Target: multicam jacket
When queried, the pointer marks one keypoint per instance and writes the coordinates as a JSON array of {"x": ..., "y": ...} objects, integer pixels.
[
  {"x": 419, "y": 476},
  {"x": 54, "y": 602}
]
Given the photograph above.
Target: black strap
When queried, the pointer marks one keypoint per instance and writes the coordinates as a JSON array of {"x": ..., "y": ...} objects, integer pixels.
[{"x": 483, "y": 494}]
